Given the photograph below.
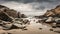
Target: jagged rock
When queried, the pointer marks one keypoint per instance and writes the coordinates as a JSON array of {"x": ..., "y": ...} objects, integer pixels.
[
  {"x": 1, "y": 6},
  {"x": 5, "y": 17},
  {"x": 57, "y": 10},
  {"x": 11, "y": 12},
  {"x": 53, "y": 12},
  {"x": 49, "y": 13}
]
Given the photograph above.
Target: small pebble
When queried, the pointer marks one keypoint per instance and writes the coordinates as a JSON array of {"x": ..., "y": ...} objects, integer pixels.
[{"x": 40, "y": 28}]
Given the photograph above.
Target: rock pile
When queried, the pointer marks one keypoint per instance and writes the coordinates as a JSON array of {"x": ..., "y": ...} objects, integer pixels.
[
  {"x": 54, "y": 14},
  {"x": 51, "y": 16},
  {"x": 8, "y": 18}
]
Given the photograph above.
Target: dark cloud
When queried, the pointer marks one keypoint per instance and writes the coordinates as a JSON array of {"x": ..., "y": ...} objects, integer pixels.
[
  {"x": 42, "y": 3},
  {"x": 29, "y": 1}
]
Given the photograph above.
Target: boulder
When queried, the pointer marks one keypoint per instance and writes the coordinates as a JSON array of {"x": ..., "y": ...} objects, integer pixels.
[
  {"x": 5, "y": 17},
  {"x": 49, "y": 20}
]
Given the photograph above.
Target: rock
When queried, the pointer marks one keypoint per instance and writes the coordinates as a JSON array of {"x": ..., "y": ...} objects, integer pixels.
[
  {"x": 23, "y": 16},
  {"x": 49, "y": 13},
  {"x": 57, "y": 31},
  {"x": 57, "y": 20},
  {"x": 51, "y": 29},
  {"x": 19, "y": 25},
  {"x": 24, "y": 29},
  {"x": 54, "y": 25},
  {"x": 5, "y": 17},
  {"x": 49, "y": 20},
  {"x": 11, "y": 12},
  {"x": 7, "y": 26},
  {"x": 57, "y": 10},
  {"x": 40, "y": 28},
  {"x": 1, "y": 22},
  {"x": 53, "y": 12},
  {"x": 57, "y": 25},
  {"x": 19, "y": 15}
]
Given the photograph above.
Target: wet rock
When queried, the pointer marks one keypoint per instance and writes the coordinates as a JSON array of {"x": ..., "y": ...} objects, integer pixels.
[
  {"x": 57, "y": 25},
  {"x": 57, "y": 20},
  {"x": 6, "y": 25},
  {"x": 40, "y": 28},
  {"x": 51, "y": 29},
  {"x": 54, "y": 25},
  {"x": 57, "y": 31},
  {"x": 25, "y": 21},
  {"x": 49, "y": 20}
]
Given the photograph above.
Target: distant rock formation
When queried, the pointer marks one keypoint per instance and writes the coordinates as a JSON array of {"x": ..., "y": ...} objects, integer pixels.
[
  {"x": 53, "y": 12},
  {"x": 6, "y": 13},
  {"x": 10, "y": 12}
]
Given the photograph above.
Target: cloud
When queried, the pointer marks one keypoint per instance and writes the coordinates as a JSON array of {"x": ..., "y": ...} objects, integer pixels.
[
  {"x": 29, "y": 1},
  {"x": 31, "y": 7}
]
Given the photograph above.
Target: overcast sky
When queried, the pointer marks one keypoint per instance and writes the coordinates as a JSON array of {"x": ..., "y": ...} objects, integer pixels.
[{"x": 31, "y": 7}]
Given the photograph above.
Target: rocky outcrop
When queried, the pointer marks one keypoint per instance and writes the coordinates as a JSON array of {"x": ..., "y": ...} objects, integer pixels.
[
  {"x": 51, "y": 16},
  {"x": 11, "y": 12},
  {"x": 53, "y": 12},
  {"x": 8, "y": 18},
  {"x": 5, "y": 17}
]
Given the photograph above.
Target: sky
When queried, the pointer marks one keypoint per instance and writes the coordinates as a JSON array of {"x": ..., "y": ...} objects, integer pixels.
[{"x": 31, "y": 7}]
